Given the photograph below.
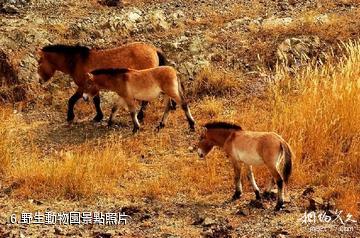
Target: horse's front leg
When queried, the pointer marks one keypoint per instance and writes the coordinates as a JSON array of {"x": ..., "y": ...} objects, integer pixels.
[
  {"x": 237, "y": 179},
  {"x": 99, "y": 115},
  {"x": 253, "y": 182},
  {"x": 72, "y": 101}
]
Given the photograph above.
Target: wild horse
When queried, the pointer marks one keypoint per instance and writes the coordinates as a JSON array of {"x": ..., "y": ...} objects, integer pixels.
[
  {"x": 144, "y": 85},
  {"x": 251, "y": 148},
  {"x": 78, "y": 60}
]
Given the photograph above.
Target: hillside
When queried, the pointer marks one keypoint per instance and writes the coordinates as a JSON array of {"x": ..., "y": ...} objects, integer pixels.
[{"x": 287, "y": 66}]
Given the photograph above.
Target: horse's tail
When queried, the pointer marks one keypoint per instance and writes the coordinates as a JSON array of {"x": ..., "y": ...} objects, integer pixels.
[
  {"x": 162, "y": 58},
  {"x": 289, "y": 155}
]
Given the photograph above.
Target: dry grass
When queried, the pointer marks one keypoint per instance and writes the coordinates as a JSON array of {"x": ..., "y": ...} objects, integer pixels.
[
  {"x": 316, "y": 111},
  {"x": 214, "y": 82}
]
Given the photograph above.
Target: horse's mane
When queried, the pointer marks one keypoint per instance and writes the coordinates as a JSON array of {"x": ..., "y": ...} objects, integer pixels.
[
  {"x": 68, "y": 49},
  {"x": 222, "y": 125},
  {"x": 110, "y": 71}
]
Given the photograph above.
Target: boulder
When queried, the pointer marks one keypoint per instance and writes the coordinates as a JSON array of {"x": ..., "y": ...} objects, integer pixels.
[
  {"x": 293, "y": 52},
  {"x": 10, "y": 86}
]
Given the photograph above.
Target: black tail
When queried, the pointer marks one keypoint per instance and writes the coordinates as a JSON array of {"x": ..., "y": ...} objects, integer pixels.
[
  {"x": 288, "y": 161},
  {"x": 162, "y": 59}
]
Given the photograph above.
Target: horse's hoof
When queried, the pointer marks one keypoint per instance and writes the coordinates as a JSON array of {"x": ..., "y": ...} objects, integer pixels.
[
  {"x": 258, "y": 196},
  {"x": 135, "y": 130},
  {"x": 279, "y": 206},
  {"x": 236, "y": 196},
  {"x": 98, "y": 118},
  {"x": 70, "y": 117},
  {"x": 159, "y": 127}
]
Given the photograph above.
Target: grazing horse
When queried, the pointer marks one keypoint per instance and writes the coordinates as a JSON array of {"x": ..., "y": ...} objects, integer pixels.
[
  {"x": 252, "y": 148},
  {"x": 79, "y": 60},
  {"x": 147, "y": 84}
]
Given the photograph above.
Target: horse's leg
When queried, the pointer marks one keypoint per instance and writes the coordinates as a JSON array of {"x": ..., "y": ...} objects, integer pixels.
[
  {"x": 185, "y": 107},
  {"x": 165, "y": 115},
  {"x": 73, "y": 99},
  {"x": 113, "y": 112},
  {"x": 189, "y": 117},
  {"x": 99, "y": 115},
  {"x": 237, "y": 179},
  {"x": 132, "y": 108},
  {"x": 140, "y": 115},
  {"x": 280, "y": 184},
  {"x": 120, "y": 102},
  {"x": 253, "y": 182}
]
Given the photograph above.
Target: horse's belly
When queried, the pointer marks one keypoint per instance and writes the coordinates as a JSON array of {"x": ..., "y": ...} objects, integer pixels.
[
  {"x": 147, "y": 94},
  {"x": 250, "y": 158}
]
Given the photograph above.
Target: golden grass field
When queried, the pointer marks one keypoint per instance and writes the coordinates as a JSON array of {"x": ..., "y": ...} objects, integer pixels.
[{"x": 316, "y": 110}]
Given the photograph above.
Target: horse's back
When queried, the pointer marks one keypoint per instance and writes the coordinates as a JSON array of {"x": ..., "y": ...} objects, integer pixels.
[{"x": 135, "y": 55}]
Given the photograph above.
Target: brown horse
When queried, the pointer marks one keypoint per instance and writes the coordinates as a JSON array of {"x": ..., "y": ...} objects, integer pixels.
[
  {"x": 252, "y": 148},
  {"x": 79, "y": 60},
  {"x": 145, "y": 85}
]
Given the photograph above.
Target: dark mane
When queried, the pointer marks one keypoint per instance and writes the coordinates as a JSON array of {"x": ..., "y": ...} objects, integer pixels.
[
  {"x": 68, "y": 49},
  {"x": 111, "y": 71},
  {"x": 222, "y": 125}
]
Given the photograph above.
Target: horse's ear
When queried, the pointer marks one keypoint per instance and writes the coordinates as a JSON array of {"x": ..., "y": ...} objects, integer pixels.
[
  {"x": 90, "y": 76},
  {"x": 39, "y": 53}
]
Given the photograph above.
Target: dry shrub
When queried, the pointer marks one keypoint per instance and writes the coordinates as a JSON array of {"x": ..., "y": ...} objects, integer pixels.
[
  {"x": 317, "y": 111},
  {"x": 211, "y": 107},
  {"x": 214, "y": 82},
  {"x": 72, "y": 175}
]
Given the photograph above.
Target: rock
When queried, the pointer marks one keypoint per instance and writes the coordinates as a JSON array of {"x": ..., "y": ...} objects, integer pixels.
[
  {"x": 223, "y": 231},
  {"x": 157, "y": 20},
  {"x": 273, "y": 22},
  {"x": 111, "y": 3},
  {"x": 256, "y": 204},
  {"x": 107, "y": 234},
  {"x": 208, "y": 221},
  {"x": 9, "y": 9},
  {"x": 322, "y": 19},
  {"x": 293, "y": 52},
  {"x": 36, "y": 202},
  {"x": 13, "y": 186},
  {"x": 58, "y": 231},
  {"x": 243, "y": 212},
  {"x": 315, "y": 204},
  {"x": 130, "y": 210},
  {"x": 134, "y": 16},
  {"x": 308, "y": 191},
  {"x": 279, "y": 233},
  {"x": 198, "y": 220}
]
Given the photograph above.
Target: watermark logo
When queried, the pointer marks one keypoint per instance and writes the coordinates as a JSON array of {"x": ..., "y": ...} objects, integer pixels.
[
  {"x": 324, "y": 221},
  {"x": 70, "y": 218}
]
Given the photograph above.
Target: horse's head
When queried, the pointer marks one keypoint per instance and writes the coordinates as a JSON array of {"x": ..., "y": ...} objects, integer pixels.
[
  {"x": 205, "y": 145},
  {"x": 46, "y": 68}
]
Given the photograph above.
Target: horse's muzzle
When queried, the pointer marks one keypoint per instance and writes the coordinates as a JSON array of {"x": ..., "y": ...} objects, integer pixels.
[{"x": 201, "y": 154}]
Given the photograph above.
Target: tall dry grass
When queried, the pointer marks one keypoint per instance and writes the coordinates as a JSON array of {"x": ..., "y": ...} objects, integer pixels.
[{"x": 317, "y": 110}]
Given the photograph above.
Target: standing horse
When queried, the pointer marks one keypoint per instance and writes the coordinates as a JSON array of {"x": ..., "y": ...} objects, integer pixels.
[
  {"x": 145, "y": 85},
  {"x": 79, "y": 60},
  {"x": 252, "y": 148}
]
